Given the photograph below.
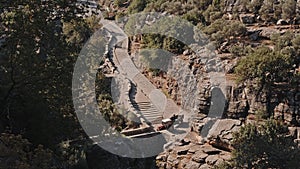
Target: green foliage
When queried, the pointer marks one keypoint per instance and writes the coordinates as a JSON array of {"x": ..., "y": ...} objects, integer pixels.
[
  {"x": 269, "y": 10},
  {"x": 224, "y": 30},
  {"x": 237, "y": 50},
  {"x": 296, "y": 46},
  {"x": 42, "y": 41},
  {"x": 296, "y": 42},
  {"x": 204, "y": 4},
  {"x": 155, "y": 60},
  {"x": 108, "y": 109},
  {"x": 289, "y": 9},
  {"x": 235, "y": 29},
  {"x": 76, "y": 32},
  {"x": 169, "y": 33},
  {"x": 154, "y": 41},
  {"x": 244, "y": 5},
  {"x": 212, "y": 13},
  {"x": 155, "y": 6},
  {"x": 204, "y": 11},
  {"x": 215, "y": 27},
  {"x": 265, "y": 146},
  {"x": 119, "y": 3},
  {"x": 277, "y": 12},
  {"x": 170, "y": 44},
  {"x": 18, "y": 153},
  {"x": 181, "y": 29},
  {"x": 282, "y": 41},
  {"x": 223, "y": 165},
  {"x": 174, "y": 46},
  {"x": 137, "y": 6},
  {"x": 110, "y": 112},
  {"x": 266, "y": 9},
  {"x": 255, "y": 5},
  {"x": 261, "y": 115},
  {"x": 194, "y": 16},
  {"x": 270, "y": 66},
  {"x": 37, "y": 70},
  {"x": 264, "y": 65}
]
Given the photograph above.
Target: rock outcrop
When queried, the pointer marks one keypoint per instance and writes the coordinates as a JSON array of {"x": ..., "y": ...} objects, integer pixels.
[
  {"x": 202, "y": 154},
  {"x": 214, "y": 136}
]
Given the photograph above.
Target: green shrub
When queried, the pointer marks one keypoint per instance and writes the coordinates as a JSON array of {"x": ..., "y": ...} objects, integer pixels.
[
  {"x": 137, "y": 6},
  {"x": 265, "y": 146},
  {"x": 264, "y": 65}
]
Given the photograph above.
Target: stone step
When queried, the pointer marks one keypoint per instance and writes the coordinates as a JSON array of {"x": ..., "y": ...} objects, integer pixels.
[
  {"x": 150, "y": 113},
  {"x": 150, "y": 110},
  {"x": 152, "y": 116},
  {"x": 145, "y": 135},
  {"x": 144, "y": 102}
]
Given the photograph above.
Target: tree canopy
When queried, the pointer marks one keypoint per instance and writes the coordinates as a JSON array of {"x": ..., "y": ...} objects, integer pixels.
[
  {"x": 265, "y": 146},
  {"x": 40, "y": 43},
  {"x": 264, "y": 65}
]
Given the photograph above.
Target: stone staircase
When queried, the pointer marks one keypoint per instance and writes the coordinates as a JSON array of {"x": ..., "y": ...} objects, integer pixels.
[
  {"x": 144, "y": 106},
  {"x": 149, "y": 112},
  {"x": 150, "y": 104}
]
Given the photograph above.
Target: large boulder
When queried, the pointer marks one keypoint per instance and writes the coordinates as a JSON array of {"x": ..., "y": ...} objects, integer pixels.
[{"x": 220, "y": 134}]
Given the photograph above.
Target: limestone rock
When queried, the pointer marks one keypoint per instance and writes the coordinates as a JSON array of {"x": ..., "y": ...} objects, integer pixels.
[
  {"x": 225, "y": 156},
  {"x": 171, "y": 158},
  {"x": 162, "y": 157},
  {"x": 210, "y": 150},
  {"x": 199, "y": 157},
  {"x": 220, "y": 134},
  {"x": 211, "y": 160},
  {"x": 182, "y": 150},
  {"x": 230, "y": 65},
  {"x": 202, "y": 156},
  {"x": 192, "y": 165},
  {"x": 205, "y": 166}
]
